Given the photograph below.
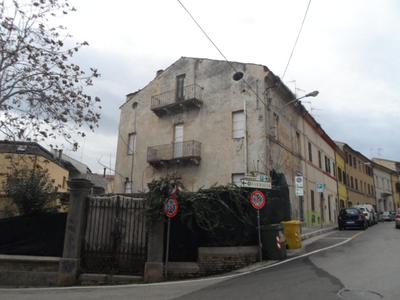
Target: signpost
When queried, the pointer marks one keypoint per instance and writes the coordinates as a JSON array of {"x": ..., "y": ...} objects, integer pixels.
[
  {"x": 170, "y": 209},
  {"x": 255, "y": 184},
  {"x": 257, "y": 199},
  {"x": 320, "y": 189},
  {"x": 299, "y": 186}
]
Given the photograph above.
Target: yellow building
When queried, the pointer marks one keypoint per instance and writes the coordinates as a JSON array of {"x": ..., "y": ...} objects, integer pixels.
[
  {"x": 359, "y": 177},
  {"x": 396, "y": 190},
  {"x": 341, "y": 178},
  {"x": 32, "y": 155}
]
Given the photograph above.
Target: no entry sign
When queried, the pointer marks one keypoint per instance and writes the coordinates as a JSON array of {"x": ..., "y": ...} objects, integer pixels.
[
  {"x": 171, "y": 207},
  {"x": 257, "y": 199}
]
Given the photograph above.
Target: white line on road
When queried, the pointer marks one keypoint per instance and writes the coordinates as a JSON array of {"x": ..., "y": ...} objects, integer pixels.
[{"x": 186, "y": 281}]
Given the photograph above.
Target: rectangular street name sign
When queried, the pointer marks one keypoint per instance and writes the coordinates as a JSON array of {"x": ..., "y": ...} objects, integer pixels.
[{"x": 256, "y": 184}]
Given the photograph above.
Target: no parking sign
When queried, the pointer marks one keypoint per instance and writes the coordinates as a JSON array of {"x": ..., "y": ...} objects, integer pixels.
[
  {"x": 171, "y": 207},
  {"x": 257, "y": 199}
]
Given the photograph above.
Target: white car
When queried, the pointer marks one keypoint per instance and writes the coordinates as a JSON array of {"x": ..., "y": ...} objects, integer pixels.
[
  {"x": 367, "y": 213},
  {"x": 375, "y": 216}
]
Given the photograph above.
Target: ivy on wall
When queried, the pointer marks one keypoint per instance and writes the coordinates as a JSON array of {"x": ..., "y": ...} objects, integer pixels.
[{"x": 212, "y": 210}]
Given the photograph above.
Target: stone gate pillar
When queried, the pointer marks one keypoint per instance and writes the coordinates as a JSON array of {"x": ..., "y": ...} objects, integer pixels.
[
  {"x": 154, "y": 267},
  {"x": 70, "y": 262}
]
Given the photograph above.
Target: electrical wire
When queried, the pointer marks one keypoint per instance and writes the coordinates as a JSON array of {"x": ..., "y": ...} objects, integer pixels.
[
  {"x": 298, "y": 35},
  {"x": 221, "y": 53}
]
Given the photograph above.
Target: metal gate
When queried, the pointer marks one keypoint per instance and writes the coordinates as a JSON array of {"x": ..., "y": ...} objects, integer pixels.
[{"x": 115, "y": 239}]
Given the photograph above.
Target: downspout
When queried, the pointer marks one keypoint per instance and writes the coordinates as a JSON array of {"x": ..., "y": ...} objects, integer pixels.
[
  {"x": 337, "y": 204},
  {"x": 245, "y": 138},
  {"x": 305, "y": 193}
]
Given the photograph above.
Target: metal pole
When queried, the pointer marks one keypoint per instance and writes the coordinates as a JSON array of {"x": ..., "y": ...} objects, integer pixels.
[
  {"x": 259, "y": 233},
  {"x": 167, "y": 252},
  {"x": 321, "y": 203}
]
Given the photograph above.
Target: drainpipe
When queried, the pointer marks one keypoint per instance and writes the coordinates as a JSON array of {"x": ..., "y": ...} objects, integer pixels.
[
  {"x": 245, "y": 137},
  {"x": 305, "y": 195}
]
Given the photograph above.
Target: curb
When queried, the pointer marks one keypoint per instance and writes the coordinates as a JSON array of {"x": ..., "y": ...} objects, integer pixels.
[{"x": 318, "y": 232}]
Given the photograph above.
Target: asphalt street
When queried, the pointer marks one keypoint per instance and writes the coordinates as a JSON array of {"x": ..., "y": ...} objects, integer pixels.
[{"x": 350, "y": 264}]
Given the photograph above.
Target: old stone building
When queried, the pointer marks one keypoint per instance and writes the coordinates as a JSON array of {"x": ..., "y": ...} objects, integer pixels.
[{"x": 214, "y": 122}]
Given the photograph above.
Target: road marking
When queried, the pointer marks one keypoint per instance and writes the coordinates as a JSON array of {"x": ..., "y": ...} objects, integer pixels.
[
  {"x": 354, "y": 236},
  {"x": 185, "y": 281}
]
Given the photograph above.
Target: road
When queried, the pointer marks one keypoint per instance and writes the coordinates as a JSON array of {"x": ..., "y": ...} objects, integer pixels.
[{"x": 349, "y": 264}]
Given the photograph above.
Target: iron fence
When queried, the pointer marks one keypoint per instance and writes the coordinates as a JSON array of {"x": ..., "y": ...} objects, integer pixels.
[
  {"x": 186, "y": 149},
  {"x": 189, "y": 92},
  {"x": 115, "y": 239}
]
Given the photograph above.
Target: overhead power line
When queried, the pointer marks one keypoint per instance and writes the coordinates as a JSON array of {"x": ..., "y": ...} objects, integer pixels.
[
  {"x": 222, "y": 53},
  {"x": 298, "y": 35}
]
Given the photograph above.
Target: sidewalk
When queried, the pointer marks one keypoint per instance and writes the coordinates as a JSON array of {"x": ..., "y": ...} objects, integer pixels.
[{"x": 307, "y": 233}]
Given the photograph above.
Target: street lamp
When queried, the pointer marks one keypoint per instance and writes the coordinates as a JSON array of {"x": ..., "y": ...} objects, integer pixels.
[{"x": 312, "y": 94}]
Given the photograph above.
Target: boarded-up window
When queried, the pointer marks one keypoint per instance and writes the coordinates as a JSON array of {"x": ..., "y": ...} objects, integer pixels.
[
  {"x": 238, "y": 124},
  {"x": 132, "y": 143}
]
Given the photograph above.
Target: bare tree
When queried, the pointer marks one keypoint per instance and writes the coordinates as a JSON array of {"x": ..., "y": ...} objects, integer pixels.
[{"x": 41, "y": 93}]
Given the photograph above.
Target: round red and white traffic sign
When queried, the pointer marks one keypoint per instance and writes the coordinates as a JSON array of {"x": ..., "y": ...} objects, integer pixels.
[
  {"x": 257, "y": 199},
  {"x": 171, "y": 207},
  {"x": 173, "y": 189}
]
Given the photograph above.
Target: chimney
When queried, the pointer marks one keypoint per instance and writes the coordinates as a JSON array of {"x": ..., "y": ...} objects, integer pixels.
[
  {"x": 159, "y": 72},
  {"x": 104, "y": 174},
  {"x": 59, "y": 155}
]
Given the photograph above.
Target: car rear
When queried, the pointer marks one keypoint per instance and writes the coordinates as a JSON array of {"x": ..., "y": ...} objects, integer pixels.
[
  {"x": 351, "y": 218},
  {"x": 397, "y": 220}
]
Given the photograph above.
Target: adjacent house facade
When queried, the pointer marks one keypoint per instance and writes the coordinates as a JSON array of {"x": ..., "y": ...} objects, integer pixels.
[
  {"x": 341, "y": 178},
  {"x": 383, "y": 187},
  {"x": 214, "y": 122},
  {"x": 359, "y": 177},
  {"x": 394, "y": 166},
  {"x": 319, "y": 167},
  {"x": 31, "y": 154}
]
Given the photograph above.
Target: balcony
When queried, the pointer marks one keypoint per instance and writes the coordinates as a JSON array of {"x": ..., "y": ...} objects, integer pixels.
[
  {"x": 187, "y": 151},
  {"x": 176, "y": 101},
  {"x": 386, "y": 193}
]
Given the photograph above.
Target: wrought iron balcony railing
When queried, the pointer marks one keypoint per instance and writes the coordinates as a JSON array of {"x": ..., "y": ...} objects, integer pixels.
[
  {"x": 177, "y": 100},
  {"x": 182, "y": 151}
]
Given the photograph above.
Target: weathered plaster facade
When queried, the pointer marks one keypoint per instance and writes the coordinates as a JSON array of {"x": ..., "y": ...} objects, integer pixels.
[
  {"x": 383, "y": 187},
  {"x": 227, "y": 112},
  {"x": 395, "y": 166},
  {"x": 319, "y": 149}
]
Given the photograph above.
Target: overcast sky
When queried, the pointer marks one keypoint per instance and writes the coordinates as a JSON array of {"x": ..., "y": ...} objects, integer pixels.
[{"x": 348, "y": 50}]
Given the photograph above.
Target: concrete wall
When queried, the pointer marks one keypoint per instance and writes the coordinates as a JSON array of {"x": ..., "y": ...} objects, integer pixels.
[{"x": 25, "y": 271}]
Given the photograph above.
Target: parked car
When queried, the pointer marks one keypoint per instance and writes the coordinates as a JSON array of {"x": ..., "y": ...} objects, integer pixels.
[
  {"x": 352, "y": 217},
  {"x": 397, "y": 220},
  {"x": 375, "y": 215},
  {"x": 386, "y": 216},
  {"x": 367, "y": 213}
]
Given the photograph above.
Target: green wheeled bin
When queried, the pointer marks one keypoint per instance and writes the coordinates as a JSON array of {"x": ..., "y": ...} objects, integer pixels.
[
  {"x": 273, "y": 242},
  {"x": 292, "y": 233}
]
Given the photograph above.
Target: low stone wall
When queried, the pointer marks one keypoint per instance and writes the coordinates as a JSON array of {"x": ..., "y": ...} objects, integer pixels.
[
  {"x": 217, "y": 260},
  {"x": 23, "y": 271}
]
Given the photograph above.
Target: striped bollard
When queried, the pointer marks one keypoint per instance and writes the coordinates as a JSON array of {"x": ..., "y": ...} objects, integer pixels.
[{"x": 278, "y": 242}]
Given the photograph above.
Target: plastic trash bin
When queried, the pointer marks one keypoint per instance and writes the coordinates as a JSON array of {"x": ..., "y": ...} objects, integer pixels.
[
  {"x": 273, "y": 242},
  {"x": 292, "y": 234}
]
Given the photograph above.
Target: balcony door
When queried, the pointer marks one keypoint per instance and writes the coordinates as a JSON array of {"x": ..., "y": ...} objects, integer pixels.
[
  {"x": 178, "y": 140},
  {"x": 180, "y": 87}
]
